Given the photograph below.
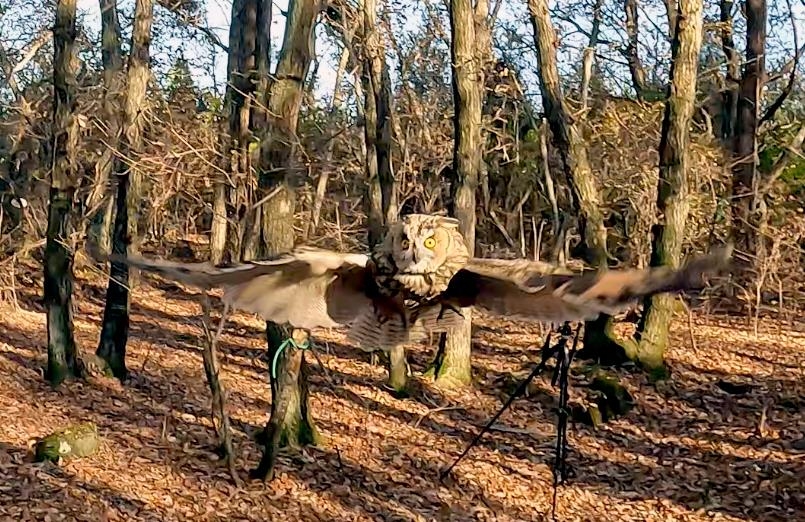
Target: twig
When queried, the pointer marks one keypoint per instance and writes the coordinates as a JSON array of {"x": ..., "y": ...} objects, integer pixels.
[
  {"x": 211, "y": 369},
  {"x": 436, "y": 410}
]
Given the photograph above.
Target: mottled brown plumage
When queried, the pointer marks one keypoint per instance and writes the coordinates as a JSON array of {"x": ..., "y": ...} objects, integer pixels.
[{"x": 416, "y": 281}]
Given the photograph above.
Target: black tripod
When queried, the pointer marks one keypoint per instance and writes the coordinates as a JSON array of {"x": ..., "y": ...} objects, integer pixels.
[{"x": 560, "y": 377}]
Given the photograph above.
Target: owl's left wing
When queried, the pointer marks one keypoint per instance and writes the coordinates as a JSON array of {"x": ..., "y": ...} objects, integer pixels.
[
  {"x": 306, "y": 288},
  {"x": 525, "y": 290}
]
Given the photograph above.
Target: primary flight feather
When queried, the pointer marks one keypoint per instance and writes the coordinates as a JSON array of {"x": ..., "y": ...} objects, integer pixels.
[{"x": 417, "y": 280}]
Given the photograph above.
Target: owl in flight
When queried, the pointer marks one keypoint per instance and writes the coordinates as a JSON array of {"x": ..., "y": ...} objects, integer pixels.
[{"x": 417, "y": 281}]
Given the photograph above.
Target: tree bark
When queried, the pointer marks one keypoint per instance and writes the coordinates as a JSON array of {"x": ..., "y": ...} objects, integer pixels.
[
  {"x": 114, "y": 331},
  {"x": 290, "y": 421},
  {"x": 632, "y": 55},
  {"x": 453, "y": 363},
  {"x": 63, "y": 360},
  {"x": 377, "y": 125},
  {"x": 745, "y": 179},
  {"x": 589, "y": 53},
  {"x": 567, "y": 138},
  {"x": 672, "y": 191},
  {"x": 729, "y": 106},
  {"x": 112, "y": 58}
]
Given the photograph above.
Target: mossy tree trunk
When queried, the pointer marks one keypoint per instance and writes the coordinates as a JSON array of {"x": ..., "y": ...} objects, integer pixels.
[
  {"x": 114, "y": 331},
  {"x": 672, "y": 191},
  {"x": 567, "y": 138},
  {"x": 63, "y": 360},
  {"x": 453, "y": 363},
  {"x": 290, "y": 421}
]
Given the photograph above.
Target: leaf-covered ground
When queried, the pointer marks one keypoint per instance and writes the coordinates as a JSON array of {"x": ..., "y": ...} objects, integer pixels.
[{"x": 688, "y": 451}]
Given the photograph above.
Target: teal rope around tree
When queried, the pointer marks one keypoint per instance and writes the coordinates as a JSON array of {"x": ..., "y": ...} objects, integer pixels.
[{"x": 287, "y": 342}]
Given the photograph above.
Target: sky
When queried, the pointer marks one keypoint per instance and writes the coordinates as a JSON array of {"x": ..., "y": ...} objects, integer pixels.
[{"x": 218, "y": 13}]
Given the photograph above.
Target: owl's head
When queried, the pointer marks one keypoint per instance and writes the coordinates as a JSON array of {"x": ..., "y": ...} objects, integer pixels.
[{"x": 423, "y": 244}]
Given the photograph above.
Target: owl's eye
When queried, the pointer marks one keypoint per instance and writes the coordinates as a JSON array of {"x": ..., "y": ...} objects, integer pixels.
[
  {"x": 429, "y": 242},
  {"x": 405, "y": 244}
]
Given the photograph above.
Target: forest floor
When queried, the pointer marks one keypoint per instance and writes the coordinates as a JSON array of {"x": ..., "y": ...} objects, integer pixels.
[{"x": 687, "y": 451}]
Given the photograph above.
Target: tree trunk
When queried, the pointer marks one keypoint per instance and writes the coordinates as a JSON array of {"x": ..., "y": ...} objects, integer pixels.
[
  {"x": 632, "y": 55},
  {"x": 589, "y": 53},
  {"x": 112, "y": 57},
  {"x": 745, "y": 178},
  {"x": 567, "y": 138},
  {"x": 381, "y": 194},
  {"x": 114, "y": 331},
  {"x": 276, "y": 171},
  {"x": 729, "y": 106},
  {"x": 58, "y": 286},
  {"x": 290, "y": 423},
  {"x": 453, "y": 364},
  {"x": 672, "y": 191}
]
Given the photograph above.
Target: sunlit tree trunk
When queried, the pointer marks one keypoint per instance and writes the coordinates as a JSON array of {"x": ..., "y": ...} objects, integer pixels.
[
  {"x": 290, "y": 422},
  {"x": 235, "y": 232},
  {"x": 567, "y": 138},
  {"x": 453, "y": 364},
  {"x": 114, "y": 331},
  {"x": 672, "y": 190},
  {"x": 63, "y": 360}
]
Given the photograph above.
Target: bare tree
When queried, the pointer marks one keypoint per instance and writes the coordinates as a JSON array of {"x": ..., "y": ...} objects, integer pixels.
[
  {"x": 585, "y": 190},
  {"x": 290, "y": 421},
  {"x": 247, "y": 85},
  {"x": 381, "y": 197},
  {"x": 452, "y": 365},
  {"x": 114, "y": 331},
  {"x": 112, "y": 58},
  {"x": 672, "y": 192},
  {"x": 746, "y": 206},
  {"x": 632, "y": 55},
  {"x": 63, "y": 359}
]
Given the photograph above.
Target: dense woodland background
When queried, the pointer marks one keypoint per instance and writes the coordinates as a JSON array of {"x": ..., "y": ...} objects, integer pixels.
[{"x": 620, "y": 133}]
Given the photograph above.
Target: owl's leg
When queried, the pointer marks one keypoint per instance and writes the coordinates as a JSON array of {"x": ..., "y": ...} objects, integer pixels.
[{"x": 448, "y": 306}]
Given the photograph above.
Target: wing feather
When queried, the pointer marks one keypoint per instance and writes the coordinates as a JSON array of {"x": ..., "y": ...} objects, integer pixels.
[
  {"x": 525, "y": 290},
  {"x": 306, "y": 288}
]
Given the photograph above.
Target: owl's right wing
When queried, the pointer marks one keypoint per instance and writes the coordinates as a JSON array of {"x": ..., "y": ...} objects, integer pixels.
[{"x": 306, "y": 288}]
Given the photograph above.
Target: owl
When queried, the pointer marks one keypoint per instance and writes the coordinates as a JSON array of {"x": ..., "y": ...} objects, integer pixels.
[{"x": 418, "y": 280}]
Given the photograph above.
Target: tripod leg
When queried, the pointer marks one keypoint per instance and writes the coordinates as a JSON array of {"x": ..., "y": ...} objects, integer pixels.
[{"x": 547, "y": 352}]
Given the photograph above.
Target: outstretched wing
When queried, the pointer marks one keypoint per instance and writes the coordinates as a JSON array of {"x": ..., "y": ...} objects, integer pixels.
[
  {"x": 538, "y": 292},
  {"x": 306, "y": 288}
]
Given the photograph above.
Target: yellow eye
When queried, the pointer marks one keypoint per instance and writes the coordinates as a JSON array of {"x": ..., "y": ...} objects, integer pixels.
[
  {"x": 404, "y": 244},
  {"x": 430, "y": 242}
]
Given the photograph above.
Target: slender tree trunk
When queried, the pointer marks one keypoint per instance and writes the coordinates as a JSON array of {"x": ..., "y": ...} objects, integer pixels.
[
  {"x": 745, "y": 178},
  {"x": 632, "y": 55},
  {"x": 453, "y": 364},
  {"x": 585, "y": 191},
  {"x": 112, "y": 58},
  {"x": 729, "y": 107},
  {"x": 63, "y": 360},
  {"x": 589, "y": 53},
  {"x": 290, "y": 422},
  {"x": 114, "y": 331},
  {"x": 568, "y": 139},
  {"x": 382, "y": 190},
  {"x": 672, "y": 191}
]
